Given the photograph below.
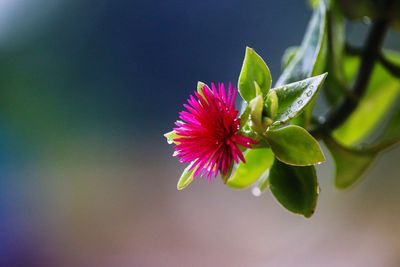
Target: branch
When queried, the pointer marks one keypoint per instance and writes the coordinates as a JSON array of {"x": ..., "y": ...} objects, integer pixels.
[
  {"x": 389, "y": 66},
  {"x": 386, "y": 63},
  {"x": 352, "y": 50},
  {"x": 369, "y": 55}
]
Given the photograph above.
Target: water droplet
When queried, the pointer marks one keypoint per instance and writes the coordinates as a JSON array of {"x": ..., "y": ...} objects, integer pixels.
[
  {"x": 256, "y": 191},
  {"x": 321, "y": 119},
  {"x": 366, "y": 20}
]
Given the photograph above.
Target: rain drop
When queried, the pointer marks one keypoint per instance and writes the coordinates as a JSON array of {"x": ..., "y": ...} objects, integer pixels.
[
  {"x": 321, "y": 119},
  {"x": 256, "y": 191}
]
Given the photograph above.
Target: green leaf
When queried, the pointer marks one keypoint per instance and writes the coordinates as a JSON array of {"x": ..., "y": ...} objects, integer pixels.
[
  {"x": 309, "y": 59},
  {"x": 304, "y": 64},
  {"x": 391, "y": 131},
  {"x": 294, "y": 97},
  {"x": 256, "y": 106},
  {"x": 392, "y": 55},
  {"x": 335, "y": 87},
  {"x": 186, "y": 178},
  {"x": 295, "y": 188},
  {"x": 381, "y": 95},
  {"x": 289, "y": 55},
  {"x": 293, "y": 145},
  {"x": 258, "y": 161},
  {"x": 367, "y": 115},
  {"x": 271, "y": 104},
  {"x": 170, "y": 137},
  {"x": 313, "y": 3},
  {"x": 350, "y": 164},
  {"x": 253, "y": 70},
  {"x": 247, "y": 127}
]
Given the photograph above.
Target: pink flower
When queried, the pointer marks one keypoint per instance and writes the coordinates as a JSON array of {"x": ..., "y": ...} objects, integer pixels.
[{"x": 208, "y": 133}]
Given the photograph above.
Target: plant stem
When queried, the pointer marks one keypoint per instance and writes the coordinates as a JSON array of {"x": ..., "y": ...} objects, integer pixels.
[
  {"x": 370, "y": 54},
  {"x": 389, "y": 66}
]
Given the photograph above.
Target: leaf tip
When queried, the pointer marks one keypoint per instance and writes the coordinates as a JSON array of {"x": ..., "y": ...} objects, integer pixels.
[
  {"x": 308, "y": 215},
  {"x": 180, "y": 187},
  {"x": 249, "y": 49},
  {"x": 200, "y": 85},
  {"x": 324, "y": 75},
  {"x": 321, "y": 157},
  {"x": 170, "y": 136}
]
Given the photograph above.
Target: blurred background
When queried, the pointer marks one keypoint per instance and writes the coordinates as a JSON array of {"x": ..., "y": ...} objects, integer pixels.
[{"x": 87, "y": 88}]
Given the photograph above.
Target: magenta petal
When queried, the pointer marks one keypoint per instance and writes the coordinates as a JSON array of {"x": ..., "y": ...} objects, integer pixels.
[{"x": 208, "y": 131}]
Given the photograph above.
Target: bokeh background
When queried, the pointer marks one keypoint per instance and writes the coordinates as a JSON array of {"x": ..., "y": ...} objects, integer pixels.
[{"x": 87, "y": 88}]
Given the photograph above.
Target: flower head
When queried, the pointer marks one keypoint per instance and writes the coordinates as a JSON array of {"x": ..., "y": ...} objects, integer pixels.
[{"x": 208, "y": 133}]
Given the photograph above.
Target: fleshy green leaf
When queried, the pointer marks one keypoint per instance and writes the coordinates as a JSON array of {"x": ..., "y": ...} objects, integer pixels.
[
  {"x": 256, "y": 106},
  {"x": 381, "y": 95},
  {"x": 247, "y": 127},
  {"x": 294, "y": 97},
  {"x": 253, "y": 70},
  {"x": 391, "y": 132},
  {"x": 293, "y": 145},
  {"x": 367, "y": 115},
  {"x": 171, "y": 136},
  {"x": 350, "y": 164},
  {"x": 295, "y": 188},
  {"x": 271, "y": 104},
  {"x": 258, "y": 161},
  {"x": 313, "y": 3},
  {"x": 304, "y": 62},
  {"x": 392, "y": 56},
  {"x": 335, "y": 87},
  {"x": 186, "y": 178},
  {"x": 309, "y": 59},
  {"x": 289, "y": 55}
]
